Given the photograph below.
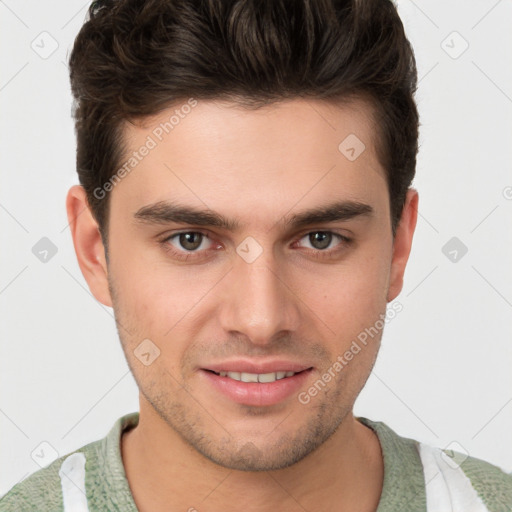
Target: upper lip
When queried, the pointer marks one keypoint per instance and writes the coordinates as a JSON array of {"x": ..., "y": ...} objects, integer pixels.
[{"x": 247, "y": 366}]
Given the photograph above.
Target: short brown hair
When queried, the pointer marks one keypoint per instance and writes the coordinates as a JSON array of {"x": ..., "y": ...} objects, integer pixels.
[{"x": 134, "y": 58}]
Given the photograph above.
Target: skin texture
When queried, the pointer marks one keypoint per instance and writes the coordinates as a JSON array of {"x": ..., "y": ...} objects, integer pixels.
[{"x": 195, "y": 447}]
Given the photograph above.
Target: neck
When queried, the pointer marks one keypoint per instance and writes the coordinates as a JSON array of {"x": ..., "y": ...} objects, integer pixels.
[{"x": 166, "y": 474}]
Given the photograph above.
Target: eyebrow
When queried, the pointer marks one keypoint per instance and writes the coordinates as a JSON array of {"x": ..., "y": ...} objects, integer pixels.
[{"x": 165, "y": 212}]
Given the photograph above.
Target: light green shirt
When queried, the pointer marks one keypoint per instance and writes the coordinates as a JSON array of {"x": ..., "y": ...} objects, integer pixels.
[{"x": 416, "y": 475}]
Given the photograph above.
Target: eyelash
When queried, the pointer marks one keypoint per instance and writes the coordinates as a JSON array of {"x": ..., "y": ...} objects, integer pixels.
[{"x": 324, "y": 254}]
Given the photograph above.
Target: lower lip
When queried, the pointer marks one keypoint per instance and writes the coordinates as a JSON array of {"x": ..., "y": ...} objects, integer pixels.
[{"x": 257, "y": 393}]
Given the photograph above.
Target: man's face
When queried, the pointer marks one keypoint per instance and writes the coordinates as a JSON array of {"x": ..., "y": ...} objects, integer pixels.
[{"x": 264, "y": 295}]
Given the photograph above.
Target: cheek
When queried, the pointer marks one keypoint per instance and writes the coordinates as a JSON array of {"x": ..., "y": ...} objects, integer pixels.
[
  {"x": 350, "y": 296},
  {"x": 155, "y": 322},
  {"x": 159, "y": 302},
  {"x": 149, "y": 293},
  {"x": 353, "y": 306}
]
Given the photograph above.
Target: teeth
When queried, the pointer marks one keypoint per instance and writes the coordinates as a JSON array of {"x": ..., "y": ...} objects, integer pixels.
[
  {"x": 256, "y": 377},
  {"x": 267, "y": 377},
  {"x": 247, "y": 377}
]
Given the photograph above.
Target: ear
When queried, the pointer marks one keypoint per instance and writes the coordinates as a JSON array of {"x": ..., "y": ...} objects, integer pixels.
[
  {"x": 402, "y": 243},
  {"x": 89, "y": 248}
]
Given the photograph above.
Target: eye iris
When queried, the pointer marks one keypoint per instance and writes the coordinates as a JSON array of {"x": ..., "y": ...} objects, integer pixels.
[
  {"x": 190, "y": 241},
  {"x": 320, "y": 239}
]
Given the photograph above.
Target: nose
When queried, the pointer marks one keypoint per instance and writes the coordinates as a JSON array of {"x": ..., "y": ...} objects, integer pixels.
[{"x": 258, "y": 302}]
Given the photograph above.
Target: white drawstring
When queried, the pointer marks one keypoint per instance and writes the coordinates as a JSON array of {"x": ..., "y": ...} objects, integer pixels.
[
  {"x": 72, "y": 479},
  {"x": 447, "y": 488}
]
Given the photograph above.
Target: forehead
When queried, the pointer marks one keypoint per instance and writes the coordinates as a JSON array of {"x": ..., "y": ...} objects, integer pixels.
[{"x": 232, "y": 159}]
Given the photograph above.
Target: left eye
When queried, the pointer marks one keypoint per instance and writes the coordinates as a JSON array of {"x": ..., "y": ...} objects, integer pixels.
[
  {"x": 191, "y": 241},
  {"x": 321, "y": 240}
]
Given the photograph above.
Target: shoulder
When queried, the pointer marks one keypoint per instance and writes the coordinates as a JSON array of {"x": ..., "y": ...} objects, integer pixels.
[
  {"x": 443, "y": 479},
  {"x": 492, "y": 483},
  {"x": 83, "y": 474},
  {"x": 42, "y": 491},
  {"x": 453, "y": 475}
]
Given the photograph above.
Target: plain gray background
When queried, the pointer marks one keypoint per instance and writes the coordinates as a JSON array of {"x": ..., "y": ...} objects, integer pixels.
[{"x": 443, "y": 375}]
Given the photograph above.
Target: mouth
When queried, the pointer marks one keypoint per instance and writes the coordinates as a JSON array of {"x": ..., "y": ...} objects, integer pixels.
[
  {"x": 256, "y": 388},
  {"x": 256, "y": 377}
]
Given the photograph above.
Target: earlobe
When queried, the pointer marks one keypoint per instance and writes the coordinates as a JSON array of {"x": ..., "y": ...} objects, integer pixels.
[
  {"x": 89, "y": 248},
  {"x": 403, "y": 243}
]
